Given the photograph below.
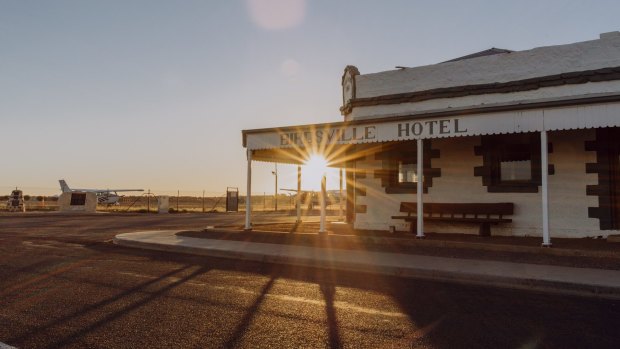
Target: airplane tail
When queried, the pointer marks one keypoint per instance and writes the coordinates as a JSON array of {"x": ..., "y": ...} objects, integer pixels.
[{"x": 64, "y": 187}]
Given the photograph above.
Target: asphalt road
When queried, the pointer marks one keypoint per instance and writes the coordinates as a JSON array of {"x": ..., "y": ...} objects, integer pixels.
[{"x": 63, "y": 284}]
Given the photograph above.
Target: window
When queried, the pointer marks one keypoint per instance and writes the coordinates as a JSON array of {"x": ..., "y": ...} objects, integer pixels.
[
  {"x": 511, "y": 163},
  {"x": 407, "y": 172},
  {"x": 515, "y": 171},
  {"x": 399, "y": 170},
  {"x": 607, "y": 168}
]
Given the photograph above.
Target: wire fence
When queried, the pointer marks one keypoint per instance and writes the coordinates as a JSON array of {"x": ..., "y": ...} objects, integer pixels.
[{"x": 147, "y": 202}]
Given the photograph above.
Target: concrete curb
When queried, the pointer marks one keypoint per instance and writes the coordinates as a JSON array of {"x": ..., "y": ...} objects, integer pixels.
[
  {"x": 563, "y": 252},
  {"x": 381, "y": 240},
  {"x": 391, "y": 265}
]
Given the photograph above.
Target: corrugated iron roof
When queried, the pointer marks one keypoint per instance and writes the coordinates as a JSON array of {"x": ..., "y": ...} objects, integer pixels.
[{"x": 489, "y": 52}]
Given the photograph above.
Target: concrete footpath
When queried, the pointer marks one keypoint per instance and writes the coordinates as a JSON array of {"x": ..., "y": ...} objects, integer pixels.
[{"x": 588, "y": 282}]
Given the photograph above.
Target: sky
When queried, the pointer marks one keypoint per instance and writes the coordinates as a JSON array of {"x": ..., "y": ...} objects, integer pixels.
[{"x": 154, "y": 94}]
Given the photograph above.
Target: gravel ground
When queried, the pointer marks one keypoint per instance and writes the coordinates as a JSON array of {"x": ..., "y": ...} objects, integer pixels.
[{"x": 63, "y": 285}]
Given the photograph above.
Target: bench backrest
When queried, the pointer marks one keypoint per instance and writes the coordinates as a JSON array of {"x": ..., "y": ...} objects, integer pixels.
[{"x": 430, "y": 208}]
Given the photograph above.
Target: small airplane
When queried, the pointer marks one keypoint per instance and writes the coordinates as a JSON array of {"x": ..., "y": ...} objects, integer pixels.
[
  {"x": 311, "y": 197},
  {"x": 104, "y": 196}
]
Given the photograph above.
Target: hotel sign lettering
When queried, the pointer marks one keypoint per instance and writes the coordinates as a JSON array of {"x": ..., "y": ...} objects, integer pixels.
[
  {"x": 430, "y": 127},
  {"x": 335, "y": 135},
  {"x": 396, "y": 130},
  {"x": 370, "y": 133}
]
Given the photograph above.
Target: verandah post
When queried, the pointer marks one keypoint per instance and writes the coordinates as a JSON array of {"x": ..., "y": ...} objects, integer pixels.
[
  {"x": 544, "y": 174},
  {"x": 420, "y": 206},
  {"x": 298, "y": 198},
  {"x": 340, "y": 197},
  {"x": 248, "y": 195},
  {"x": 323, "y": 198}
]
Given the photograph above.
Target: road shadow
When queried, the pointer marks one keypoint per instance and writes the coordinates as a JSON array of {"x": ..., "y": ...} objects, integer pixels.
[
  {"x": 84, "y": 311},
  {"x": 446, "y": 315},
  {"x": 237, "y": 334}
]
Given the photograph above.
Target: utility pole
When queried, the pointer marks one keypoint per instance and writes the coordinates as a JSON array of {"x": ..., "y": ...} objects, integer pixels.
[
  {"x": 148, "y": 201},
  {"x": 177, "y": 201},
  {"x": 203, "y": 201}
]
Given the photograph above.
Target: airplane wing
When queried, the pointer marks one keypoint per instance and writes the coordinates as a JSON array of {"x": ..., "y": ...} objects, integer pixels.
[
  {"x": 103, "y": 190},
  {"x": 89, "y": 190},
  {"x": 65, "y": 189}
]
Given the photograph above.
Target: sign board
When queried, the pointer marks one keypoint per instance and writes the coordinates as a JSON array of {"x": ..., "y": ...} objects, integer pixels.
[
  {"x": 232, "y": 199},
  {"x": 163, "y": 204}
]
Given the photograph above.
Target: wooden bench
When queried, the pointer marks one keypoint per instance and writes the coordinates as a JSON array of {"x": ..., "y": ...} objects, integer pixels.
[{"x": 484, "y": 214}]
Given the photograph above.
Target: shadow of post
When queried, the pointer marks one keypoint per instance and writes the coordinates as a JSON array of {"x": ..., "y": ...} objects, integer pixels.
[
  {"x": 243, "y": 325},
  {"x": 294, "y": 228},
  {"x": 129, "y": 308},
  {"x": 446, "y": 315},
  {"x": 329, "y": 292},
  {"x": 107, "y": 301}
]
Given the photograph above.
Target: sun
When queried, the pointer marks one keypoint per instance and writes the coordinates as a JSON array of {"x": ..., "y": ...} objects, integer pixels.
[
  {"x": 316, "y": 163},
  {"x": 313, "y": 170}
]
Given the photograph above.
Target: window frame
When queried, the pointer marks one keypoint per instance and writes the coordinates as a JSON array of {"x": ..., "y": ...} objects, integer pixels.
[
  {"x": 405, "y": 152},
  {"x": 496, "y": 149}
]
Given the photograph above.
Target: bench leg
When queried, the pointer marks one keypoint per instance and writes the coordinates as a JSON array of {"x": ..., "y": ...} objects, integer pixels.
[
  {"x": 485, "y": 229},
  {"x": 413, "y": 228}
]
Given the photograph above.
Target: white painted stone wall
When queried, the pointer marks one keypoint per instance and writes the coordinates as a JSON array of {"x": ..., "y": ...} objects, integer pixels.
[
  {"x": 379, "y": 205},
  {"x": 568, "y": 203}
]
